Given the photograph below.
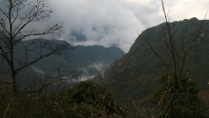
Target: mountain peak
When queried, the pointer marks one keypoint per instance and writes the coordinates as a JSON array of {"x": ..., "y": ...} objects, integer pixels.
[{"x": 194, "y": 18}]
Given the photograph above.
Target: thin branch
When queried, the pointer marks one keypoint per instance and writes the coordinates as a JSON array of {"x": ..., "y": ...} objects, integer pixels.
[
  {"x": 50, "y": 29},
  {"x": 125, "y": 70},
  {"x": 56, "y": 50},
  {"x": 159, "y": 56}
]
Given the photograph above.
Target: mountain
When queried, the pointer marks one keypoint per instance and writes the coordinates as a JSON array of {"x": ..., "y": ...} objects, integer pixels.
[
  {"x": 88, "y": 58},
  {"x": 134, "y": 75},
  {"x": 74, "y": 61}
]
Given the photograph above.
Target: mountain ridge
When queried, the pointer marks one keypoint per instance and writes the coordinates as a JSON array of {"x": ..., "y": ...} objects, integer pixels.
[{"x": 75, "y": 59}]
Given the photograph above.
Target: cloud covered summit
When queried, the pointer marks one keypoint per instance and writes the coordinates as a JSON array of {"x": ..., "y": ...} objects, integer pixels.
[{"x": 118, "y": 22}]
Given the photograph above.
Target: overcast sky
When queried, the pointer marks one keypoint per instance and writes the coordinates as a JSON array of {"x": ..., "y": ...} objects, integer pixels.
[{"x": 118, "y": 22}]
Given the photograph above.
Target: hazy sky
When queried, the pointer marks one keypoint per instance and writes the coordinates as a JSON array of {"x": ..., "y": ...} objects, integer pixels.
[{"x": 118, "y": 22}]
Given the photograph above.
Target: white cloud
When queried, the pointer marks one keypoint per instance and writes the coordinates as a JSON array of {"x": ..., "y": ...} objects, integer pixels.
[
  {"x": 38, "y": 70},
  {"x": 99, "y": 66},
  {"x": 85, "y": 77},
  {"x": 187, "y": 9},
  {"x": 116, "y": 22}
]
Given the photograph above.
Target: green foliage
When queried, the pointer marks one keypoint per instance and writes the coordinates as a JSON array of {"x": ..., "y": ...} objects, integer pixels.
[
  {"x": 88, "y": 92},
  {"x": 86, "y": 99},
  {"x": 92, "y": 93},
  {"x": 181, "y": 100}
]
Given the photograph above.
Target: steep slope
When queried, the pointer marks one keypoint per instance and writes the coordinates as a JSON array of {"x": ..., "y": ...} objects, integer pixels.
[{"x": 137, "y": 70}]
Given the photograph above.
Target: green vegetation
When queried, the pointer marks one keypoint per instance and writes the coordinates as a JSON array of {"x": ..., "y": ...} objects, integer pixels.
[
  {"x": 176, "y": 48},
  {"x": 86, "y": 99},
  {"x": 187, "y": 102}
]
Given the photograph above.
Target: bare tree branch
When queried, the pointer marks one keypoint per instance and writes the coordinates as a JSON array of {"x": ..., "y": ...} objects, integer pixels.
[{"x": 17, "y": 17}]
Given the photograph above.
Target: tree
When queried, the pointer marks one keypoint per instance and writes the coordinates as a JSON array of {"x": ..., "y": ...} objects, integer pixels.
[
  {"x": 17, "y": 22},
  {"x": 176, "y": 57},
  {"x": 93, "y": 95},
  {"x": 186, "y": 104}
]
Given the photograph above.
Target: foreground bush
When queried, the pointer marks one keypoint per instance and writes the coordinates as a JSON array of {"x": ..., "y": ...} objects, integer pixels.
[{"x": 86, "y": 99}]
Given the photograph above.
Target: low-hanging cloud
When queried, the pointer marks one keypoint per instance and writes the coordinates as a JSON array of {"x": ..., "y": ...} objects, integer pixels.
[
  {"x": 97, "y": 67},
  {"x": 38, "y": 70},
  {"x": 118, "y": 22},
  {"x": 103, "y": 22}
]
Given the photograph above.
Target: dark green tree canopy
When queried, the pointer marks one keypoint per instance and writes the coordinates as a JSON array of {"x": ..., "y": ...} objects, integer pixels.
[{"x": 186, "y": 99}]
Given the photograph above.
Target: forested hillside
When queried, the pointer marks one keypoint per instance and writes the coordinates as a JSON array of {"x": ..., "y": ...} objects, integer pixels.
[
  {"x": 80, "y": 62},
  {"x": 135, "y": 73}
]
